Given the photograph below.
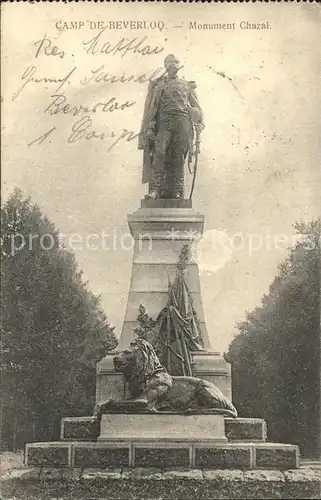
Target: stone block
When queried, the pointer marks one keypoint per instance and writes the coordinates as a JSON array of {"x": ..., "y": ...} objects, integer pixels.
[
  {"x": 245, "y": 429},
  {"x": 276, "y": 456},
  {"x": 303, "y": 483},
  {"x": 145, "y": 473},
  {"x": 184, "y": 474},
  {"x": 100, "y": 474},
  {"x": 164, "y": 427},
  {"x": 158, "y": 223},
  {"x": 109, "y": 384},
  {"x": 57, "y": 474},
  {"x": 80, "y": 428},
  {"x": 127, "y": 473},
  {"x": 163, "y": 457},
  {"x": 263, "y": 476},
  {"x": 102, "y": 456},
  {"x": 303, "y": 475},
  {"x": 52, "y": 454},
  {"x": 218, "y": 475},
  {"x": 223, "y": 457},
  {"x": 29, "y": 475}
]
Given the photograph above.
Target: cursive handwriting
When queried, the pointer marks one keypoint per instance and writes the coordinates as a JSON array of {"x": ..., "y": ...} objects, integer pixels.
[
  {"x": 82, "y": 129},
  {"x": 28, "y": 76},
  {"x": 60, "y": 105},
  {"x": 42, "y": 137},
  {"x": 137, "y": 46},
  {"x": 100, "y": 75},
  {"x": 127, "y": 135},
  {"x": 46, "y": 47}
]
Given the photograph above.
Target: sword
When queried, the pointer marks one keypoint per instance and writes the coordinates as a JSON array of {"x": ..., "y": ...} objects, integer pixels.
[{"x": 197, "y": 151}]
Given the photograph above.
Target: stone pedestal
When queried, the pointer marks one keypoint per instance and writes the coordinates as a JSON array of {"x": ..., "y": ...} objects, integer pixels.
[
  {"x": 211, "y": 366},
  {"x": 109, "y": 384},
  {"x": 160, "y": 228},
  {"x": 161, "y": 427},
  {"x": 159, "y": 234},
  {"x": 204, "y": 441}
]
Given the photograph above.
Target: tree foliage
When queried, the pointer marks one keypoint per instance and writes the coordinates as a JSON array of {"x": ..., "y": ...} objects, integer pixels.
[
  {"x": 276, "y": 354},
  {"x": 146, "y": 323},
  {"x": 148, "y": 330},
  {"x": 54, "y": 330}
]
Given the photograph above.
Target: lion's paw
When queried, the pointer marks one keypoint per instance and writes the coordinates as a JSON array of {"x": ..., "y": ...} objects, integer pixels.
[{"x": 153, "y": 410}]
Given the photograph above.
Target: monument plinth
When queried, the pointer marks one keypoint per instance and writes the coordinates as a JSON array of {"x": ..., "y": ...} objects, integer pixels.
[
  {"x": 160, "y": 228},
  {"x": 162, "y": 427},
  {"x": 159, "y": 235}
]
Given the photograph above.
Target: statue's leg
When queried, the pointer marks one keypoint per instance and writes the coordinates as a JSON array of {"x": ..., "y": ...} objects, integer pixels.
[
  {"x": 212, "y": 397},
  {"x": 157, "y": 172},
  {"x": 153, "y": 390},
  {"x": 169, "y": 174},
  {"x": 178, "y": 176},
  {"x": 180, "y": 146}
]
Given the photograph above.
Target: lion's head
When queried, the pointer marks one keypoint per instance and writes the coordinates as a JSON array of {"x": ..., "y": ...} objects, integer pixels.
[{"x": 138, "y": 363}]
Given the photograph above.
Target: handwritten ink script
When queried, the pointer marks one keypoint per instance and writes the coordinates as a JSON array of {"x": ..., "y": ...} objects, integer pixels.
[{"x": 79, "y": 114}]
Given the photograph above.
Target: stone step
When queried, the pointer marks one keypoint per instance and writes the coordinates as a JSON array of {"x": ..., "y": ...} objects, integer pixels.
[
  {"x": 236, "y": 429},
  {"x": 80, "y": 428},
  {"x": 163, "y": 454},
  {"x": 155, "y": 484},
  {"x": 245, "y": 429}
]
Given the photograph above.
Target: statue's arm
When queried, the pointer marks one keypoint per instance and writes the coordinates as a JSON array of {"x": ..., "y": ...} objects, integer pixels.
[{"x": 149, "y": 116}]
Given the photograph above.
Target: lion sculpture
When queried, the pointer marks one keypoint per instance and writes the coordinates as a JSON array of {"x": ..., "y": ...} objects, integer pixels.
[{"x": 153, "y": 388}]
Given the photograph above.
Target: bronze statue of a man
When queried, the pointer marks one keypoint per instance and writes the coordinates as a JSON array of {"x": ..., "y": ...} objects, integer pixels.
[{"x": 171, "y": 117}]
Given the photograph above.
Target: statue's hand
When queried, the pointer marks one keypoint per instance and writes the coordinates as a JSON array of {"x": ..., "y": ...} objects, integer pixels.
[
  {"x": 199, "y": 127},
  {"x": 150, "y": 134}
]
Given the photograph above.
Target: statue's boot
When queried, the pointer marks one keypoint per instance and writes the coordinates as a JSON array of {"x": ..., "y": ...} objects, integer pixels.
[{"x": 178, "y": 184}]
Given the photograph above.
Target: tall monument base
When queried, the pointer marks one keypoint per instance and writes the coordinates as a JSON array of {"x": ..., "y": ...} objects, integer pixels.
[
  {"x": 160, "y": 229},
  {"x": 164, "y": 440}
]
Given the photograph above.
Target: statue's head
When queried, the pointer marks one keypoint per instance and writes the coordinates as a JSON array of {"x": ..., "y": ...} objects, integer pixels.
[
  {"x": 125, "y": 360},
  {"x": 171, "y": 64},
  {"x": 138, "y": 361}
]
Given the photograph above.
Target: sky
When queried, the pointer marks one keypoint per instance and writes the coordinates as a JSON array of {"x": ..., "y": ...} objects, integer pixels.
[{"x": 259, "y": 166}]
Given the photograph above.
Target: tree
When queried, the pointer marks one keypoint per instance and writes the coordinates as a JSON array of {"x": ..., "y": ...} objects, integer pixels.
[
  {"x": 54, "y": 330},
  {"x": 276, "y": 354}
]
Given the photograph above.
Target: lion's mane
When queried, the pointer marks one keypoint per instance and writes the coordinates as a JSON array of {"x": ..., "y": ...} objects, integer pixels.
[{"x": 147, "y": 364}]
